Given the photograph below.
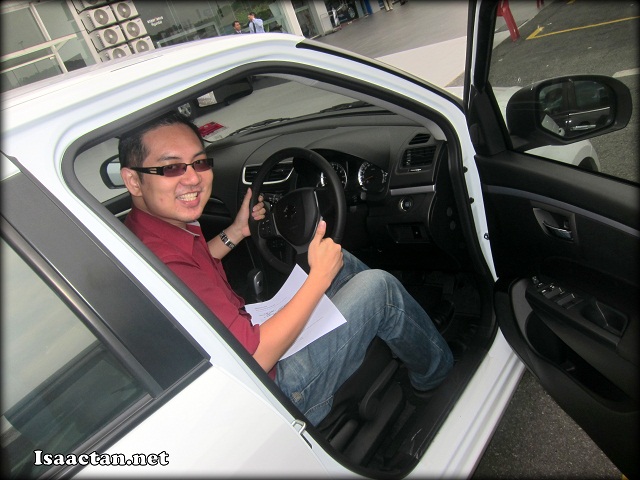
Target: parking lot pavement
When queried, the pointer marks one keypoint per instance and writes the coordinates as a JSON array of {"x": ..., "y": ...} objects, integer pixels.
[
  {"x": 427, "y": 39},
  {"x": 535, "y": 438}
]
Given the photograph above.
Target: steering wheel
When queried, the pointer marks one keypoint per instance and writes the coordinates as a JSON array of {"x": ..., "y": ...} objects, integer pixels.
[{"x": 295, "y": 217}]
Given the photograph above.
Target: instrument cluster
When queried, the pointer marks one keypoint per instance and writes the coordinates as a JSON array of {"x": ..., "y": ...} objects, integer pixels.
[{"x": 360, "y": 175}]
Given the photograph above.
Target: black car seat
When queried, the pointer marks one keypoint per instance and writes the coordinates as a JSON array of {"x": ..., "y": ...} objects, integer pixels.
[{"x": 365, "y": 406}]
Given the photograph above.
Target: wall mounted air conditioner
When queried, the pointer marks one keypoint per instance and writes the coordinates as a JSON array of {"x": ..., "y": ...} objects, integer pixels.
[
  {"x": 133, "y": 28},
  {"x": 117, "y": 52},
  {"x": 143, "y": 44},
  {"x": 81, "y": 5},
  {"x": 107, "y": 37},
  {"x": 124, "y": 10},
  {"x": 97, "y": 18}
]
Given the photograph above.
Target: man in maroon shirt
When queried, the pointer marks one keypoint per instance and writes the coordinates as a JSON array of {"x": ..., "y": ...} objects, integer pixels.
[{"x": 165, "y": 168}]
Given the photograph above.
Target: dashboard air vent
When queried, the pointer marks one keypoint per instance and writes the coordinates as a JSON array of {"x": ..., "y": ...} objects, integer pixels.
[
  {"x": 420, "y": 138},
  {"x": 418, "y": 157},
  {"x": 278, "y": 174}
]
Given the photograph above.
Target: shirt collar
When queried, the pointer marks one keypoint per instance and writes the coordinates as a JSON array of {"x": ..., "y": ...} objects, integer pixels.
[{"x": 181, "y": 238}]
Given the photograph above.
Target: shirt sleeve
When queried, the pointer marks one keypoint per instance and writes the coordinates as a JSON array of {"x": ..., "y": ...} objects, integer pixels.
[{"x": 215, "y": 298}]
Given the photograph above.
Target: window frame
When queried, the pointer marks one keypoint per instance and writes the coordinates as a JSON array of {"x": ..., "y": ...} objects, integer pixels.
[{"x": 32, "y": 225}]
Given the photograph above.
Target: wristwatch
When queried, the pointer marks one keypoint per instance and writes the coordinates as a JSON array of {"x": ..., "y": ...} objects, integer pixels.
[{"x": 226, "y": 241}]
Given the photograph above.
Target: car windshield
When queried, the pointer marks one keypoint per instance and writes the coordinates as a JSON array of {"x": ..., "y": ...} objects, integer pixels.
[{"x": 273, "y": 100}]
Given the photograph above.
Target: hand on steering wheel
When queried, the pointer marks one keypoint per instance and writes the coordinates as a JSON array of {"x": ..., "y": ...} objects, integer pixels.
[{"x": 295, "y": 216}]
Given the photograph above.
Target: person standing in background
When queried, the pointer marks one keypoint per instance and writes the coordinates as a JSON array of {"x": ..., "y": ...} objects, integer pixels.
[
  {"x": 255, "y": 24},
  {"x": 237, "y": 28}
]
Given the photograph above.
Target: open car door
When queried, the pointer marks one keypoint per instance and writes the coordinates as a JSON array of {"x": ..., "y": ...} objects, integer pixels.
[{"x": 565, "y": 239}]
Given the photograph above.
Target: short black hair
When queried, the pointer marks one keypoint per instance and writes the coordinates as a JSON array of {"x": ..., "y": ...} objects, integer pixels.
[
  {"x": 234, "y": 23},
  {"x": 131, "y": 148},
  {"x": 252, "y": 13}
]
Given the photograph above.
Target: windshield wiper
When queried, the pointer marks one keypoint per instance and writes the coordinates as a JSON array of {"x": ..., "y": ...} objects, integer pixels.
[
  {"x": 261, "y": 123},
  {"x": 346, "y": 106}
]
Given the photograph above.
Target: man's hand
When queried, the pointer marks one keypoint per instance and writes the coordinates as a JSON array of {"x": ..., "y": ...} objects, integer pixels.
[
  {"x": 325, "y": 256},
  {"x": 279, "y": 332},
  {"x": 240, "y": 226}
]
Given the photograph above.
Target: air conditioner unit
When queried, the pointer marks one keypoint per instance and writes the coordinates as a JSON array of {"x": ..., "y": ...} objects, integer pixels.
[
  {"x": 82, "y": 5},
  {"x": 124, "y": 10},
  {"x": 143, "y": 44},
  {"x": 107, "y": 37},
  {"x": 133, "y": 28},
  {"x": 117, "y": 52},
  {"x": 98, "y": 18}
]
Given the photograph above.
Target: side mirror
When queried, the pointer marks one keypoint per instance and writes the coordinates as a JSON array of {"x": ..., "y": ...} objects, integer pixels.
[
  {"x": 564, "y": 110},
  {"x": 110, "y": 173}
]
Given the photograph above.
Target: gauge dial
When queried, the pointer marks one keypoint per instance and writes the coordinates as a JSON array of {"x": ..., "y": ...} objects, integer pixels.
[
  {"x": 340, "y": 170},
  {"x": 371, "y": 177}
]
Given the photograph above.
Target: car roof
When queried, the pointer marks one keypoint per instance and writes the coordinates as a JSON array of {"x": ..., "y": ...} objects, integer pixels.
[
  {"x": 75, "y": 88},
  {"x": 102, "y": 93}
]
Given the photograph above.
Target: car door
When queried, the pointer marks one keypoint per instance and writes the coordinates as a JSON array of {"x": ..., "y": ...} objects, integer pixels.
[{"x": 565, "y": 243}]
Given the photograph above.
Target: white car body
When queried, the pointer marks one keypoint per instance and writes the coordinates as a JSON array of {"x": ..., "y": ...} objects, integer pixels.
[{"x": 226, "y": 422}]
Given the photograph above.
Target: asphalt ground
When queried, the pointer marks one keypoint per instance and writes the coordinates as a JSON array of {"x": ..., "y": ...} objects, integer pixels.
[{"x": 535, "y": 438}]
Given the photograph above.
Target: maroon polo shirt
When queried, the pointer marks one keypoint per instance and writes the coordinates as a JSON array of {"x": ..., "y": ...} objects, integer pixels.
[{"x": 186, "y": 253}]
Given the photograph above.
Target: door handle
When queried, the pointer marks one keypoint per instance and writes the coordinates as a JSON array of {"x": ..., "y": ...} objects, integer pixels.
[
  {"x": 563, "y": 233},
  {"x": 555, "y": 222}
]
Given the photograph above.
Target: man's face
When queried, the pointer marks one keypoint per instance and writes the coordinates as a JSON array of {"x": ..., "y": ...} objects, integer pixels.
[
  {"x": 176, "y": 200},
  {"x": 250, "y": 17},
  {"x": 236, "y": 25}
]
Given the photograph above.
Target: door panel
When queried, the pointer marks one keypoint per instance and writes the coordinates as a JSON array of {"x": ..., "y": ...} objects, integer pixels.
[
  {"x": 566, "y": 247},
  {"x": 565, "y": 241}
]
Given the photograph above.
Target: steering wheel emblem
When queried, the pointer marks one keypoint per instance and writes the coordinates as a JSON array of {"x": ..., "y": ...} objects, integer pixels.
[
  {"x": 289, "y": 212},
  {"x": 294, "y": 217}
]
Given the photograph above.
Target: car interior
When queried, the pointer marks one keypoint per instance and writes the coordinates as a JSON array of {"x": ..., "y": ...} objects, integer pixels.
[{"x": 399, "y": 210}]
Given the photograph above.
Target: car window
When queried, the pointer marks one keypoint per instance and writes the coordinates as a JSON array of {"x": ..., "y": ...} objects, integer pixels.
[
  {"x": 60, "y": 383},
  {"x": 272, "y": 100},
  {"x": 572, "y": 38}
]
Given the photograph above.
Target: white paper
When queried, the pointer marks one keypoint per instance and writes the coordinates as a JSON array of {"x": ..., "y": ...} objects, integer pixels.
[{"x": 323, "y": 319}]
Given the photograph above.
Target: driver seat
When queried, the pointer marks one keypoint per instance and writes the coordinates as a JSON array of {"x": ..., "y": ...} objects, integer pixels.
[{"x": 365, "y": 406}]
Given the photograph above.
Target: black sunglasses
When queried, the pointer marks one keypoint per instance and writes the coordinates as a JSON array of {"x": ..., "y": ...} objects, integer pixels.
[{"x": 177, "y": 169}]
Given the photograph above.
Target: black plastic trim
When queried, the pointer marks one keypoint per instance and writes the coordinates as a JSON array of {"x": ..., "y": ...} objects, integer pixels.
[
  {"x": 136, "y": 324},
  {"x": 69, "y": 296},
  {"x": 497, "y": 190}
]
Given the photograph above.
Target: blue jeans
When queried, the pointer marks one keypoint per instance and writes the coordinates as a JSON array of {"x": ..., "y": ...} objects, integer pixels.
[{"x": 374, "y": 303}]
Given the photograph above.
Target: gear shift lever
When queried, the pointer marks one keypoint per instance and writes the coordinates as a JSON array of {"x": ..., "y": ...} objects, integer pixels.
[{"x": 255, "y": 281}]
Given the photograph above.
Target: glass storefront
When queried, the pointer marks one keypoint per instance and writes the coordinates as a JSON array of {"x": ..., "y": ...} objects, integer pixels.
[
  {"x": 40, "y": 40},
  {"x": 303, "y": 14},
  {"x": 169, "y": 22},
  {"x": 44, "y": 38}
]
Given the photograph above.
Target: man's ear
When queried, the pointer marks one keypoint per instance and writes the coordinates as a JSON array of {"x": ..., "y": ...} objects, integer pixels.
[{"x": 131, "y": 180}]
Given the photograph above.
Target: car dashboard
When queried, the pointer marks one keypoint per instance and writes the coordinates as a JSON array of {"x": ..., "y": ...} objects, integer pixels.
[{"x": 393, "y": 172}]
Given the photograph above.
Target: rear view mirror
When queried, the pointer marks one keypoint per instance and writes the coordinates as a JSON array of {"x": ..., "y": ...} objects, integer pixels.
[
  {"x": 568, "y": 109},
  {"x": 221, "y": 95}
]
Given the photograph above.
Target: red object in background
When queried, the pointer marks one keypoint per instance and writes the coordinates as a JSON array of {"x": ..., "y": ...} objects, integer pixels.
[
  {"x": 209, "y": 128},
  {"x": 505, "y": 12}
]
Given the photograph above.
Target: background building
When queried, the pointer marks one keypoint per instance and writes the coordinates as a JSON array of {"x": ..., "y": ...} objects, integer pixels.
[{"x": 41, "y": 39}]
